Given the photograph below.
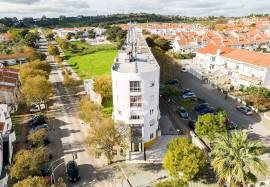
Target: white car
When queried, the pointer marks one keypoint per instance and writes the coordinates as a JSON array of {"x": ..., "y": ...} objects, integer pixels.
[
  {"x": 37, "y": 108},
  {"x": 189, "y": 95}
]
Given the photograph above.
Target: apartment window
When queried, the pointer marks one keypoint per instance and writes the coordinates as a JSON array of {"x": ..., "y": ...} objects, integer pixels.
[
  {"x": 135, "y": 117},
  {"x": 135, "y": 86},
  {"x": 152, "y": 122},
  {"x": 151, "y": 111},
  {"x": 152, "y": 83},
  {"x": 152, "y": 97},
  {"x": 135, "y": 101},
  {"x": 151, "y": 136},
  {"x": 119, "y": 112}
]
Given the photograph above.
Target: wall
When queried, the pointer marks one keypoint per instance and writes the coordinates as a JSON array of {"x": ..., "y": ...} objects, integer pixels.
[{"x": 89, "y": 88}]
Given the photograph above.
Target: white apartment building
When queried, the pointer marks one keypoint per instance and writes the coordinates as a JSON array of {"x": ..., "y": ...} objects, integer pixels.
[
  {"x": 236, "y": 67},
  {"x": 135, "y": 79}
]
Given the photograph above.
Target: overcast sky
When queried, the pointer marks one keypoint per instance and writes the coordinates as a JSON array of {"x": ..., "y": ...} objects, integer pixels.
[{"x": 54, "y": 8}]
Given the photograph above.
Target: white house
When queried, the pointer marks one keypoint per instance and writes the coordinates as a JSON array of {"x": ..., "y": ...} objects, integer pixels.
[
  {"x": 135, "y": 83},
  {"x": 12, "y": 59},
  {"x": 7, "y": 137},
  {"x": 236, "y": 67}
]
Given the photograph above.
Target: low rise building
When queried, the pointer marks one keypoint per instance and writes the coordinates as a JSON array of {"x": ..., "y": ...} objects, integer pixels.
[
  {"x": 9, "y": 87},
  {"x": 12, "y": 59},
  {"x": 233, "y": 67}
]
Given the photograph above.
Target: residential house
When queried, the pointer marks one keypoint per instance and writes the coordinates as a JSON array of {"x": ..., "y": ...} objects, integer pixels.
[
  {"x": 232, "y": 67},
  {"x": 9, "y": 87},
  {"x": 7, "y": 137},
  {"x": 12, "y": 59}
]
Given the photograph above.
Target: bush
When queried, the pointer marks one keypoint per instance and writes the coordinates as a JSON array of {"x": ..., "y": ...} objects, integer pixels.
[{"x": 69, "y": 81}]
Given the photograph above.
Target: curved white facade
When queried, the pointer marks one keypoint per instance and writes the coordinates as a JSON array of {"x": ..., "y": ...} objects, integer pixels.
[{"x": 135, "y": 80}]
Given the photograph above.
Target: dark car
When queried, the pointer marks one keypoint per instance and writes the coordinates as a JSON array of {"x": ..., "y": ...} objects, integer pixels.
[
  {"x": 172, "y": 82},
  {"x": 245, "y": 110},
  {"x": 37, "y": 120},
  {"x": 207, "y": 110},
  {"x": 191, "y": 124},
  {"x": 201, "y": 106},
  {"x": 72, "y": 171},
  {"x": 182, "y": 113},
  {"x": 186, "y": 91}
]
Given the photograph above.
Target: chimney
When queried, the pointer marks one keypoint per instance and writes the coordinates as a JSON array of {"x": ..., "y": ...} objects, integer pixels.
[{"x": 218, "y": 52}]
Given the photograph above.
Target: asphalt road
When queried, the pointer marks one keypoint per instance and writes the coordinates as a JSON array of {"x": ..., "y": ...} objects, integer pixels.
[{"x": 68, "y": 132}]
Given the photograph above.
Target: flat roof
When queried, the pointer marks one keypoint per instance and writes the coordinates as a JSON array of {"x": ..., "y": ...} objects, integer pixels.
[{"x": 135, "y": 55}]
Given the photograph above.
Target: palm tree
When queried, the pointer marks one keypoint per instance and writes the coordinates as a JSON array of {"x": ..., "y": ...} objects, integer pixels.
[{"x": 236, "y": 159}]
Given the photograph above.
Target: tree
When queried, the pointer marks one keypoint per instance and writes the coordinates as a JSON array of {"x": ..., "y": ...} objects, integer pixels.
[
  {"x": 105, "y": 137},
  {"x": 91, "y": 34},
  {"x": 89, "y": 112},
  {"x": 37, "y": 137},
  {"x": 28, "y": 163},
  {"x": 103, "y": 86},
  {"x": 36, "y": 90},
  {"x": 210, "y": 125},
  {"x": 68, "y": 36},
  {"x": 58, "y": 59},
  {"x": 183, "y": 159},
  {"x": 40, "y": 65},
  {"x": 35, "y": 55},
  {"x": 27, "y": 72},
  {"x": 50, "y": 36},
  {"x": 31, "y": 39},
  {"x": 53, "y": 50},
  {"x": 171, "y": 183},
  {"x": 32, "y": 182},
  {"x": 163, "y": 44},
  {"x": 69, "y": 81},
  {"x": 236, "y": 159}
]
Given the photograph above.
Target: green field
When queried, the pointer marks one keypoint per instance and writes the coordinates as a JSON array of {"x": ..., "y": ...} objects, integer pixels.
[{"x": 95, "y": 64}]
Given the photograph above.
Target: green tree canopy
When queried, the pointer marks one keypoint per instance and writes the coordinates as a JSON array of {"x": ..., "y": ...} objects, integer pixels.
[
  {"x": 236, "y": 159},
  {"x": 171, "y": 183},
  {"x": 210, "y": 125},
  {"x": 36, "y": 90},
  {"x": 28, "y": 163},
  {"x": 183, "y": 159},
  {"x": 32, "y": 182},
  {"x": 37, "y": 137},
  {"x": 53, "y": 50},
  {"x": 103, "y": 86},
  {"x": 105, "y": 137},
  {"x": 89, "y": 112}
]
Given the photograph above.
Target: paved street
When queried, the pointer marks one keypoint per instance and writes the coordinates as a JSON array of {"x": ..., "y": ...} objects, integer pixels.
[{"x": 252, "y": 124}]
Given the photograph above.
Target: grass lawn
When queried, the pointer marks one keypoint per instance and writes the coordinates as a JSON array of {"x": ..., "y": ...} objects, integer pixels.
[{"x": 95, "y": 64}]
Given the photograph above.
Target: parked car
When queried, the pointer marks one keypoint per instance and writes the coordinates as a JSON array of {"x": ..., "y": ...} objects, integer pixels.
[
  {"x": 43, "y": 126},
  {"x": 207, "y": 110},
  {"x": 37, "y": 120},
  {"x": 189, "y": 95},
  {"x": 231, "y": 125},
  {"x": 201, "y": 106},
  {"x": 184, "y": 70},
  {"x": 245, "y": 110},
  {"x": 186, "y": 91},
  {"x": 172, "y": 82},
  {"x": 72, "y": 171},
  {"x": 37, "y": 108},
  {"x": 182, "y": 112}
]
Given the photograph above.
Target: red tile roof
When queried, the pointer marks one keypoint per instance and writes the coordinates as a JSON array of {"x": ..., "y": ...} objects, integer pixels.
[
  {"x": 250, "y": 57},
  {"x": 12, "y": 56}
]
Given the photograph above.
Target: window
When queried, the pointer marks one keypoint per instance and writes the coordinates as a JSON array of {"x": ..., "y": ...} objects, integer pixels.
[
  {"x": 151, "y": 111},
  {"x": 152, "y": 123},
  {"x": 152, "y": 83},
  {"x": 135, "y": 101},
  {"x": 135, "y": 117},
  {"x": 135, "y": 86},
  {"x": 119, "y": 112},
  {"x": 151, "y": 136}
]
